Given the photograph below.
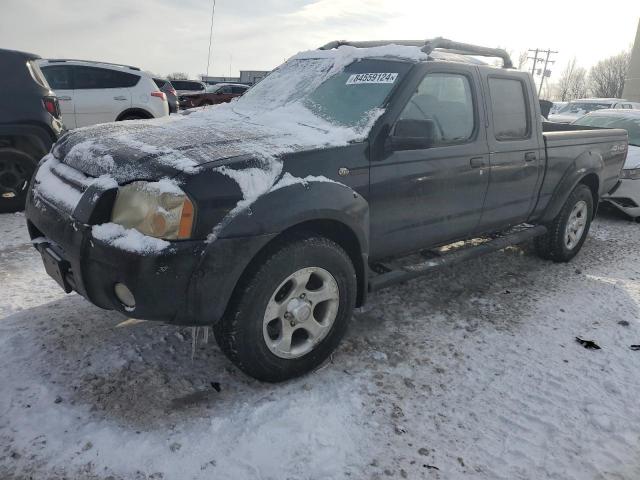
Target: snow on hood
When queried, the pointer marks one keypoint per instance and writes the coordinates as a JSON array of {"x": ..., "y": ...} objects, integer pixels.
[
  {"x": 633, "y": 158},
  {"x": 266, "y": 122}
]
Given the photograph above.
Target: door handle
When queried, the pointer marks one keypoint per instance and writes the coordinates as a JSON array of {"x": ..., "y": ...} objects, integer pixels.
[
  {"x": 64, "y": 99},
  {"x": 478, "y": 162},
  {"x": 120, "y": 98},
  {"x": 530, "y": 156}
]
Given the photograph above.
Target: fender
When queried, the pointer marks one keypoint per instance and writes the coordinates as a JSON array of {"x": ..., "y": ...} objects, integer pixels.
[
  {"x": 239, "y": 238},
  {"x": 285, "y": 207},
  {"x": 586, "y": 163}
]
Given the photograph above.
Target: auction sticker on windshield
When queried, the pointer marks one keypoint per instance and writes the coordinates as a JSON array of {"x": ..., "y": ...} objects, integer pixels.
[{"x": 372, "y": 78}]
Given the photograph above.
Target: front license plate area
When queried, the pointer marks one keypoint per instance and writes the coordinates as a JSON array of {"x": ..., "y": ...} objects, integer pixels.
[{"x": 56, "y": 267}]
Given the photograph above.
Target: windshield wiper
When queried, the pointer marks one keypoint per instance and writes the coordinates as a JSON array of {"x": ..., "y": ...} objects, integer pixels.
[{"x": 314, "y": 127}]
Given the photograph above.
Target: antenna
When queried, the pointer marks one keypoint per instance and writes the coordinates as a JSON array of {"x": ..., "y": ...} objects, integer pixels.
[{"x": 213, "y": 11}]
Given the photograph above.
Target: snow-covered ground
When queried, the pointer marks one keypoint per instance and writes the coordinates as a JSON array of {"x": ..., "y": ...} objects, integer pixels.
[{"x": 472, "y": 373}]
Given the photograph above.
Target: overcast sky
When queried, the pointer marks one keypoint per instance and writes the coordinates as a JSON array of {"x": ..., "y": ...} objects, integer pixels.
[{"x": 165, "y": 36}]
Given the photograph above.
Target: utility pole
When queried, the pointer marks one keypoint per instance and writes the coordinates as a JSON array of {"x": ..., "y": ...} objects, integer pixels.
[
  {"x": 213, "y": 12},
  {"x": 538, "y": 53}
]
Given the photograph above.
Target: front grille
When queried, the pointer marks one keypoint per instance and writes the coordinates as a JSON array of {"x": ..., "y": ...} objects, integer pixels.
[
  {"x": 60, "y": 185},
  {"x": 74, "y": 178}
]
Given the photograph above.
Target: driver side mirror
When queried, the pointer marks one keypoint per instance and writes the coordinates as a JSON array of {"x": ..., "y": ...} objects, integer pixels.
[{"x": 411, "y": 134}]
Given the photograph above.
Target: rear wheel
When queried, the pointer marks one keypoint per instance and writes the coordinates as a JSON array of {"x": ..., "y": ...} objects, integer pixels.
[
  {"x": 289, "y": 314},
  {"x": 568, "y": 231},
  {"x": 16, "y": 169}
]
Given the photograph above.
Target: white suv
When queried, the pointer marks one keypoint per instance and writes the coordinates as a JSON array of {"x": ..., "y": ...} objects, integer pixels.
[{"x": 96, "y": 92}]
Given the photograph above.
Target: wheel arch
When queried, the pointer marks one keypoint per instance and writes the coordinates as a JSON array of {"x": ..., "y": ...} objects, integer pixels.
[
  {"x": 592, "y": 181},
  {"x": 335, "y": 230},
  {"x": 584, "y": 169},
  {"x": 134, "y": 111}
]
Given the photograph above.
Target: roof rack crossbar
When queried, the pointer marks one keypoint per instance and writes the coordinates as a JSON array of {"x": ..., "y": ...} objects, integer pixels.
[
  {"x": 428, "y": 46},
  {"x": 60, "y": 60}
]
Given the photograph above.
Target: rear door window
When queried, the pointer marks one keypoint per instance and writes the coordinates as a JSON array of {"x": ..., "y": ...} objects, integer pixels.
[
  {"x": 239, "y": 90},
  {"x": 509, "y": 109},
  {"x": 86, "y": 78},
  {"x": 59, "y": 77}
]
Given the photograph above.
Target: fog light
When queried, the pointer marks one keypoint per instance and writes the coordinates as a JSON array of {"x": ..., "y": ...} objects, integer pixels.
[{"x": 125, "y": 296}]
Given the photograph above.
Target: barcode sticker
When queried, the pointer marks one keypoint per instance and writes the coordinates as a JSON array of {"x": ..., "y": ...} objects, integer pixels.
[{"x": 372, "y": 78}]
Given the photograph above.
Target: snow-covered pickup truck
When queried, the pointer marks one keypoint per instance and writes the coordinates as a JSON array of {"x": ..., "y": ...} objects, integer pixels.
[{"x": 272, "y": 217}]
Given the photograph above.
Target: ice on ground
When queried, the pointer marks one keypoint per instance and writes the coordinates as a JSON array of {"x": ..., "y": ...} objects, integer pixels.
[{"x": 473, "y": 370}]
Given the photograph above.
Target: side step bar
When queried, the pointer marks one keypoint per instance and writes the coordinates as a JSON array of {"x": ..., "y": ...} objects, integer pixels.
[{"x": 419, "y": 269}]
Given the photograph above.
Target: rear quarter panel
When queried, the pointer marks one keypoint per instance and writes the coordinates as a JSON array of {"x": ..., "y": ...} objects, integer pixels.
[{"x": 571, "y": 156}]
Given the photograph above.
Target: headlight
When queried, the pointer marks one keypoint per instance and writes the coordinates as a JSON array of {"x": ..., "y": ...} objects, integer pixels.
[
  {"x": 631, "y": 174},
  {"x": 158, "y": 209}
]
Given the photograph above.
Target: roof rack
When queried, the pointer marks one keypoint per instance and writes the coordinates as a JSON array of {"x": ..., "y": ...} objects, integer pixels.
[
  {"x": 428, "y": 46},
  {"x": 61, "y": 60}
]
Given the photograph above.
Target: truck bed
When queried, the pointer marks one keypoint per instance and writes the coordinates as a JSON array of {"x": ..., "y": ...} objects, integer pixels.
[{"x": 566, "y": 145}]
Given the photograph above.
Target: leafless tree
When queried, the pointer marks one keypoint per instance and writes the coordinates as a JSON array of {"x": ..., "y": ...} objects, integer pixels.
[
  {"x": 606, "y": 78},
  {"x": 572, "y": 82},
  {"x": 178, "y": 76}
]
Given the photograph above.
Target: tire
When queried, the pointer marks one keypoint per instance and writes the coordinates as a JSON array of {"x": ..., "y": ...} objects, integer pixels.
[
  {"x": 557, "y": 244},
  {"x": 257, "y": 345},
  {"x": 16, "y": 170}
]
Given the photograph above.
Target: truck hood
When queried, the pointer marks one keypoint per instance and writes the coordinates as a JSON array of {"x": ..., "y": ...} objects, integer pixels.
[
  {"x": 633, "y": 158},
  {"x": 182, "y": 144},
  {"x": 137, "y": 150}
]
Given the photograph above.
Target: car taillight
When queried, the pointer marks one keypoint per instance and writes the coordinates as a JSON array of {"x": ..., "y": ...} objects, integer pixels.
[
  {"x": 172, "y": 91},
  {"x": 159, "y": 95},
  {"x": 51, "y": 105}
]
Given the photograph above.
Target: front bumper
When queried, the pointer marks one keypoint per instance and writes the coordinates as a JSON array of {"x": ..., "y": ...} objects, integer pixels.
[
  {"x": 625, "y": 196},
  {"x": 187, "y": 283}
]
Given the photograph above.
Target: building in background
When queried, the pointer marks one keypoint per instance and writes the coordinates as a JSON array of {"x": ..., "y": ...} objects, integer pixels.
[
  {"x": 632, "y": 82},
  {"x": 248, "y": 77}
]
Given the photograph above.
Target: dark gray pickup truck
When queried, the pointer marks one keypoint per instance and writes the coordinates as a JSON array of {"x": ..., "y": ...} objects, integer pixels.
[{"x": 270, "y": 218}]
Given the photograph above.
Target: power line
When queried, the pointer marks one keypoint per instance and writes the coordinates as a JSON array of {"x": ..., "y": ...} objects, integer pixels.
[{"x": 213, "y": 11}]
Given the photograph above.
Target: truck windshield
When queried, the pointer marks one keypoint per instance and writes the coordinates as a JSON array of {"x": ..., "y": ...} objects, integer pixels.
[
  {"x": 343, "y": 96},
  {"x": 630, "y": 124}
]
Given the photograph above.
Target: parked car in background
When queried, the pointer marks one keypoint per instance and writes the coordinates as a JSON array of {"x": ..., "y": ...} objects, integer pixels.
[
  {"x": 172, "y": 96},
  {"x": 188, "y": 86},
  {"x": 557, "y": 106},
  {"x": 577, "y": 108},
  {"x": 97, "y": 92},
  {"x": 30, "y": 122},
  {"x": 213, "y": 95},
  {"x": 625, "y": 196},
  {"x": 272, "y": 227}
]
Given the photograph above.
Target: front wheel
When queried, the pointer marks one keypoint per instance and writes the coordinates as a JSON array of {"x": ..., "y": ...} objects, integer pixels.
[
  {"x": 568, "y": 231},
  {"x": 291, "y": 311}
]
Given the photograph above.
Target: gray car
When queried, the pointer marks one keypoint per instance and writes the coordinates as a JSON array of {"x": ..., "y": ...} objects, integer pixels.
[
  {"x": 625, "y": 196},
  {"x": 172, "y": 97}
]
